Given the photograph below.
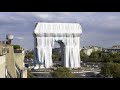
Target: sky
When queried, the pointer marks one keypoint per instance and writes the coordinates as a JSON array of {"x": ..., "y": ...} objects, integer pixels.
[{"x": 99, "y": 28}]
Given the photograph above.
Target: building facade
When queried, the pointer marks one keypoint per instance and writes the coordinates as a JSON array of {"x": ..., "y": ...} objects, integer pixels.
[
  {"x": 3, "y": 52},
  {"x": 113, "y": 49},
  {"x": 90, "y": 49},
  {"x": 11, "y": 62}
]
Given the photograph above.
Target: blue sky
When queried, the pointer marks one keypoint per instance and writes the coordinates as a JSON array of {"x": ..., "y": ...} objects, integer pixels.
[{"x": 99, "y": 28}]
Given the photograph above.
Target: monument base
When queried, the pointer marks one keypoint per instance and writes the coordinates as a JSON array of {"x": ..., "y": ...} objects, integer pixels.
[
  {"x": 42, "y": 66},
  {"x": 39, "y": 67},
  {"x": 36, "y": 67}
]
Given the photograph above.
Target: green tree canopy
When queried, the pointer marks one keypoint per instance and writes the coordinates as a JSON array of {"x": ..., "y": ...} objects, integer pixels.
[
  {"x": 111, "y": 70},
  {"x": 84, "y": 57},
  {"x": 56, "y": 56},
  {"x": 29, "y": 74},
  {"x": 112, "y": 57},
  {"x": 62, "y": 72},
  {"x": 16, "y": 46},
  {"x": 29, "y": 55},
  {"x": 95, "y": 56}
]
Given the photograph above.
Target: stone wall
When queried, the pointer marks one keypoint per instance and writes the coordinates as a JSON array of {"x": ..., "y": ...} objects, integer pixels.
[
  {"x": 19, "y": 60},
  {"x": 2, "y": 66},
  {"x": 10, "y": 62}
]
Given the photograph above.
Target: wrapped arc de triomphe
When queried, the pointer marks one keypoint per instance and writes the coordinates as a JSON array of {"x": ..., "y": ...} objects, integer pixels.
[{"x": 45, "y": 35}]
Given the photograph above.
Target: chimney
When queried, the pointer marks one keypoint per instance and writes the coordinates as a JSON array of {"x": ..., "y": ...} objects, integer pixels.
[
  {"x": 3, "y": 42},
  {"x": 9, "y": 38}
]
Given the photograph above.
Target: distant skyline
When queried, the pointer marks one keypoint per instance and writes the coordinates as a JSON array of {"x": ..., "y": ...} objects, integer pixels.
[{"x": 99, "y": 28}]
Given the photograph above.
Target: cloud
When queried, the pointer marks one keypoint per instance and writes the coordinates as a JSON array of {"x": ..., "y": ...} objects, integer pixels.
[
  {"x": 64, "y": 13},
  {"x": 20, "y": 38},
  {"x": 100, "y": 28},
  {"x": 111, "y": 22},
  {"x": 88, "y": 13},
  {"x": 42, "y": 15},
  {"x": 112, "y": 18}
]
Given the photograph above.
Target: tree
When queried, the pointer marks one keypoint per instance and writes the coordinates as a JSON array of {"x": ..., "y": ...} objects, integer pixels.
[
  {"x": 84, "y": 57},
  {"x": 29, "y": 55},
  {"x": 106, "y": 57},
  {"x": 106, "y": 70},
  {"x": 56, "y": 56},
  {"x": 111, "y": 57},
  {"x": 95, "y": 56},
  {"x": 62, "y": 72},
  {"x": 16, "y": 46},
  {"x": 111, "y": 70},
  {"x": 115, "y": 57},
  {"x": 29, "y": 74},
  {"x": 116, "y": 70}
]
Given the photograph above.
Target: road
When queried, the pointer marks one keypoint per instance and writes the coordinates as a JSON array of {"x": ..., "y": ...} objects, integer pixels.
[{"x": 78, "y": 73}]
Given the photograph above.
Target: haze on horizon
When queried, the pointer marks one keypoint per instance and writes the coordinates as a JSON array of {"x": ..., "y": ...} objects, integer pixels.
[{"x": 99, "y": 28}]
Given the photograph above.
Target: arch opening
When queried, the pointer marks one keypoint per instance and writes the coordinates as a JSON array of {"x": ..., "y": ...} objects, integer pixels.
[{"x": 58, "y": 53}]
